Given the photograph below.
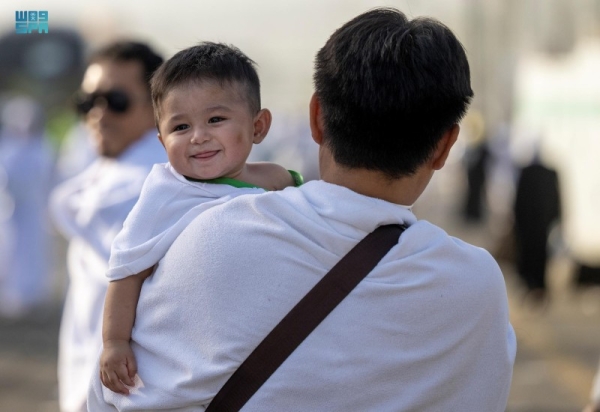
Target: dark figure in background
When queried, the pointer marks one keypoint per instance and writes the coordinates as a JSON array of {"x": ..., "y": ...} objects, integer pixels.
[
  {"x": 476, "y": 160},
  {"x": 537, "y": 205},
  {"x": 586, "y": 276}
]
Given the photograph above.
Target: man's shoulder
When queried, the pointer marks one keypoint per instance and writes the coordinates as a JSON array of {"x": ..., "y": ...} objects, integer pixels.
[
  {"x": 438, "y": 233},
  {"x": 234, "y": 216},
  {"x": 249, "y": 204},
  {"x": 424, "y": 238}
]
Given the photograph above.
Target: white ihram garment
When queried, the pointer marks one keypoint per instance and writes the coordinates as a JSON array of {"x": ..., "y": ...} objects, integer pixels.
[
  {"x": 167, "y": 204},
  {"x": 427, "y": 330},
  {"x": 89, "y": 209}
]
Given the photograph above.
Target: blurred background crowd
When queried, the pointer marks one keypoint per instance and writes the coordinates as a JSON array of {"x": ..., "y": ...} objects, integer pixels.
[{"x": 523, "y": 181}]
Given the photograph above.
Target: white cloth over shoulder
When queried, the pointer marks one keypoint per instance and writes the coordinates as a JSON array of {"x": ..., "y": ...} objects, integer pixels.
[
  {"x": 167, "y": 204},
  {"x": 427, "y": 330}
]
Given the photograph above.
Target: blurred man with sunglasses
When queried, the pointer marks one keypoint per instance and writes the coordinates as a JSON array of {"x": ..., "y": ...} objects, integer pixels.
[{"x": 90, "y": 208}]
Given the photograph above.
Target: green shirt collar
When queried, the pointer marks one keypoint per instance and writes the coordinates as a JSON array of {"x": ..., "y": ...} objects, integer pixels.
[
  {"x": 226, "y": 181},
  {"x": 298, "y": 181}
]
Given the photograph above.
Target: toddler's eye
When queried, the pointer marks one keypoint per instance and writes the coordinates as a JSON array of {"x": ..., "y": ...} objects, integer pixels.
[
  {"x": 180, "y": 127},
  {"x": 215, "y": 119}
]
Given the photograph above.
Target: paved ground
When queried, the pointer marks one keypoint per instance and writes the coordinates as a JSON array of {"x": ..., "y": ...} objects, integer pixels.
[
  {"x": 557, "y": 356},
  {"x": 558, "y": 350},
  {"x": 28, "y": 349}
]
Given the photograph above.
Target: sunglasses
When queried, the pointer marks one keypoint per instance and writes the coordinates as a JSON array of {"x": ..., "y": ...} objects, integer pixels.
[{"x": 116, "y": 101}]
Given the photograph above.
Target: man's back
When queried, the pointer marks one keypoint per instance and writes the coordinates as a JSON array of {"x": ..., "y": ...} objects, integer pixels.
[{"x": 427, "y": 330}]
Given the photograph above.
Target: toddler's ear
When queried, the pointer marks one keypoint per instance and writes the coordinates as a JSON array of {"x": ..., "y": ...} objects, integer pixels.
[
  {"x": 160, "y": 139},
  {"x": 262, "y": 124}
]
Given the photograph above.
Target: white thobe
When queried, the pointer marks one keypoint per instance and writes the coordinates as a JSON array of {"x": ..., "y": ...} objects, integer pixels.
[
  {"x": 90, "y": 210},
  {"x": 427, "y": 330},
  {"x": 27, "y": 161}
]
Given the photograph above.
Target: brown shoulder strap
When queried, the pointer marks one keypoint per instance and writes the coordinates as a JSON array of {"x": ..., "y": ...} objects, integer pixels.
[{"x": 304, "y": 318}]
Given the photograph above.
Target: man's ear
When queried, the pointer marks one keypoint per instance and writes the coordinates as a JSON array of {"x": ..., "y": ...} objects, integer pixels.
[
  {"x": 443, "y": 148},
  {"x": 316, "y": 119},
  {"x": 262, "y": 124}
]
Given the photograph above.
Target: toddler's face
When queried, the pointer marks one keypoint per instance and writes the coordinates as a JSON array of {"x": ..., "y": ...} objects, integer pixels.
[{"x": 207, "y": 129}]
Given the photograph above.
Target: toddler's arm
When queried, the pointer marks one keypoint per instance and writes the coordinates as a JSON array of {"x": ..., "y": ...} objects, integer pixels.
[
  {"x": 271, "y": 176},
  {"x": 117, "y": 363}
]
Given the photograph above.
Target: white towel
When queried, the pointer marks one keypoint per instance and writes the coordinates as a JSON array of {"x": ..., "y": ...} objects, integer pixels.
[{"x": 167, "y": 204}]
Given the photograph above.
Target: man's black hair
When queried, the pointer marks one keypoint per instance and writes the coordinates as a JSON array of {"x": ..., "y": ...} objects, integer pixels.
[
  {"x": 126, "y": 51},
  {"x": 389, "y": 88},
  {"x": 207, "y": 61}
]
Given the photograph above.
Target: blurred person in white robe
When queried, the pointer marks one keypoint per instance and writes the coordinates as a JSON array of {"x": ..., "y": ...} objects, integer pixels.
[
  {"x": 7, "y": 206},
  {"x": 76, "y": 152},
  {"x": 27, "y": 159},
  {"x": 90, "y": 208}
]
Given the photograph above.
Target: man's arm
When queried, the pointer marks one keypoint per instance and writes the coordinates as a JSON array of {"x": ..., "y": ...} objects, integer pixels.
[{"x": 117, "y": 363}]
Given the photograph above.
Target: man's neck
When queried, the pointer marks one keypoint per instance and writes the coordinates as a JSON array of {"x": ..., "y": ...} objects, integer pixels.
[{"x": 402, "y": 191}]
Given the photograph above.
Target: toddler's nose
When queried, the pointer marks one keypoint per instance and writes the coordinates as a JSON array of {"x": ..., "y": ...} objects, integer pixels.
[{"x": 200, "y": 136}]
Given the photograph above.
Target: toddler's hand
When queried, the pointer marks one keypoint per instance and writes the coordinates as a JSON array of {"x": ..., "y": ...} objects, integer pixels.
[{"x": 117, "y": 366}]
